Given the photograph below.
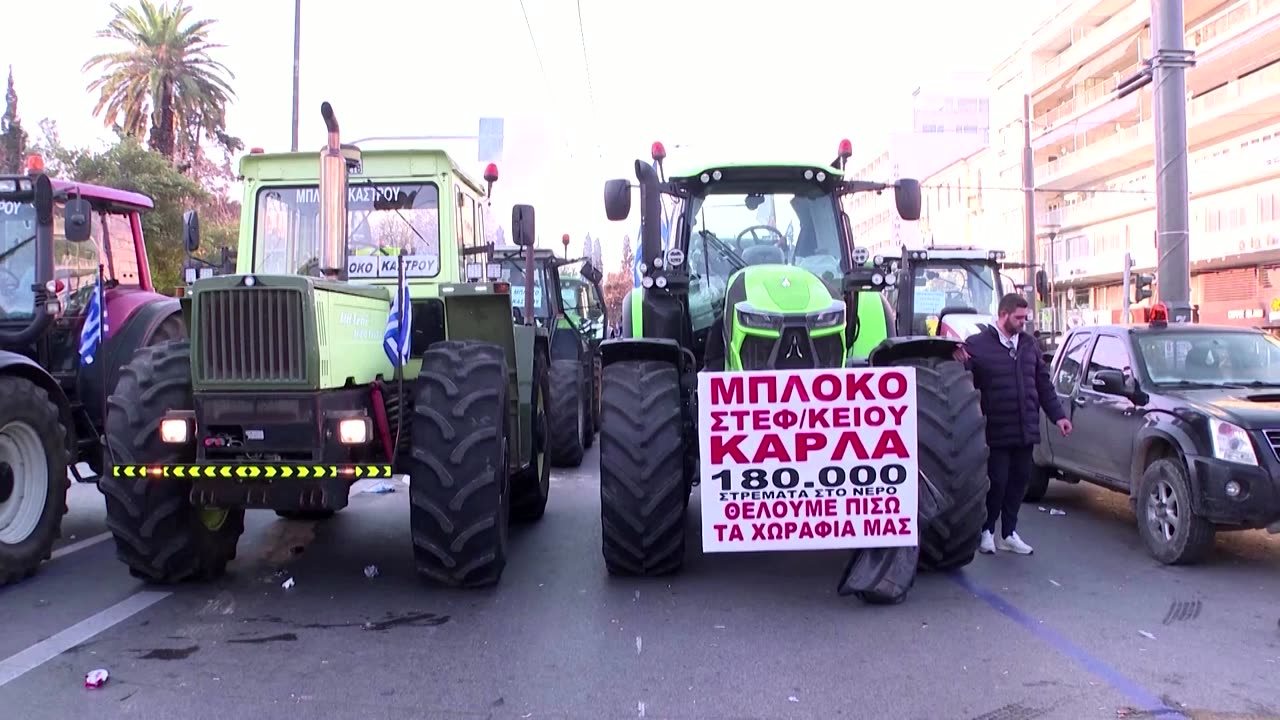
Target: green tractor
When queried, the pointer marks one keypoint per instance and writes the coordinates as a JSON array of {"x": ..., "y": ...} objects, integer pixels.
[
  {"x": 583, "y": 298},
  {"x": 572, "y": 322},
  {"x": 326, "y": 359},
  {"x": 734, "y": 292}
]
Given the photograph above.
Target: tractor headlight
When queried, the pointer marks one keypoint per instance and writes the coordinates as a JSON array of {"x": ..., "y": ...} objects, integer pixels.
[
  {"x": 758, "y": 320},
  {"x": 832, "y": 317}
]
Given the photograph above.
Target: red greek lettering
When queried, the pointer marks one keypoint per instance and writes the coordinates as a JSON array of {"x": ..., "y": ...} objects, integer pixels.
[
  {"x": 892, "y": 505},
  {"x": 732, "y": 511},
  {"x": 858, "y": 385},
  {"x": 722, "y": 446},
  {"x": 847, "y": 529},
  {"x": 897, "y": 411},
  {"x": 822, "y": 529},
  {"x": 874, "y": 416},
  {"x": 785, "y": 419},
  {"x": 840, "y": 417},
  {"x": 757, "y": 531},
  {"x": 720, "y": 532},
  {"x": 726, "y": 390},
  {"x": 735, "y": 533},
  {"x": 817, "y": 418},
  {"x": 807, "y": 443},
  {"x": 754, "y": 386},
  {"x": 717, "y": 421},
  {"x": 795, "y": 390},
  {"x": 904, "y": 526},
  {"x": 826, "y": 387}
]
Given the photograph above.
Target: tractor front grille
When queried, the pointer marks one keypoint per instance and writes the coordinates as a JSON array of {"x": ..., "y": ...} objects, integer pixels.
[
  {"x": 250, "y": 335},
  {"x": 795, "y": 350}
]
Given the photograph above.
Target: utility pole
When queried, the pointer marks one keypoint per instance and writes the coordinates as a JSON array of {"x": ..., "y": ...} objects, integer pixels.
[
  {"x": 1169, "y": 65},
  {"x": 1126, "y": 288},
  {"x": 297, "y": 46},
  {"x": 1029, "y": 189}
]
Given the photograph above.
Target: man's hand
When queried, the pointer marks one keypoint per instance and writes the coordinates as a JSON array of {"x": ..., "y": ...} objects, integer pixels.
[
  {"x": 961, "y": 355},
  {"x": 1065, "y": 426}
]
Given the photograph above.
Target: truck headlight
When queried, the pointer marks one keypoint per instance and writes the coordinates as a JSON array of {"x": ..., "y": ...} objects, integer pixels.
[
  {"x": 828, "y": 319},
  {"x": 1231, "y": 443},
  {"x": 759, "y": 321}
]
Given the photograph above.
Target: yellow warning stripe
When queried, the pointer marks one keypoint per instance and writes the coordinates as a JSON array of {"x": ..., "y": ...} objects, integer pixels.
[{"x": 269, "y": 472}]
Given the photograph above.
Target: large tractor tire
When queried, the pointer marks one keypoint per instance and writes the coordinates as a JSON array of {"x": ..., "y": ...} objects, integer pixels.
[
  {"x": 881, "y": 576},
  {"x": 33, "y": 477},
  {"x": 569, "y": 413},
  {"x": 531, "y": 487},
  {"x": 643, "y": 493},
  {"x": 159, "y": 534},
  {"x": 459, "y": 487},
  {"x": 953, "y": 457}
]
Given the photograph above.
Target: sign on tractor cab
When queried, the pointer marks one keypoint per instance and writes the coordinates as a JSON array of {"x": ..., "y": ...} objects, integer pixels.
[
  {"x": 517, "y": 296},
  {"x": 808, "y": 459}
]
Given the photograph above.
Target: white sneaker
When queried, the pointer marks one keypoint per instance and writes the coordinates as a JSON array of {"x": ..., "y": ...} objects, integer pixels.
[
  {"x": 988, "y": 546},
  {"x": 1014, "y": 544}
]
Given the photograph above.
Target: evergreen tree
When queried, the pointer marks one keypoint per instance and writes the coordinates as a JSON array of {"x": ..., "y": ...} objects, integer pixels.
[{"x": 13, "y": 139}]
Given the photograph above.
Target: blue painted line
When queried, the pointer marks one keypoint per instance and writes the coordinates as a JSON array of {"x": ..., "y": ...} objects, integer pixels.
[{"x": 1136, "y": 693}]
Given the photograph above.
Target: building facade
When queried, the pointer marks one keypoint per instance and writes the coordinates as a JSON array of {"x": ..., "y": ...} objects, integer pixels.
[
  {"x": 950, "y": 122},
  {"x": 1094, "y": 156}
]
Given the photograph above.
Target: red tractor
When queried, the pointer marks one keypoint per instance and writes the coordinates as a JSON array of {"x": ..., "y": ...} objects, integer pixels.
[{"x": 76, "y": 301}]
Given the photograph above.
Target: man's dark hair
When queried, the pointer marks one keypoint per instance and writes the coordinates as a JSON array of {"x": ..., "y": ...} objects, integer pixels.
[{"x": 1011, "y": 302}]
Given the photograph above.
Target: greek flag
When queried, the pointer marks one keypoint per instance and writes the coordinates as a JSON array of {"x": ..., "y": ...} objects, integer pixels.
[
  {"x": 95, "y": 323},
  {"x": 395, "y": 339}
]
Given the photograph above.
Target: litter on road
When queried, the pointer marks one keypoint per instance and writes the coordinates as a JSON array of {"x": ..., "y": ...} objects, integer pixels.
[
  {"x": 287, "y": 584},
  {"x": 371, "y": 571},
  {"x": 96, "y": 678},
  {"x": 381, "y": 488}
]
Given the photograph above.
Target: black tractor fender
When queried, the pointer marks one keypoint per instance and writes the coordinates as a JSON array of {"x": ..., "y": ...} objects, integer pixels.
[
  {"x": 120, "y": 349},
  {"x": 12, "y": 363},
  {"x": 895, "y": 348},
  {"x": 625, "y": 349}
]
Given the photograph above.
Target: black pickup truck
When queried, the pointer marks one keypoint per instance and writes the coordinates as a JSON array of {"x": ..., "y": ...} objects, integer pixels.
[{"x": 1184, "y": 418}]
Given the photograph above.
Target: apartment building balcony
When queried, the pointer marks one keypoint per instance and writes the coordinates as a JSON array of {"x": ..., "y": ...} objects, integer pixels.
[
  {"x": 1123, "y": 24},
  {"x": 1227, "y": 44},
  {"x": 1221, "y": 113},
  {"x": 1232, "y": 41}
]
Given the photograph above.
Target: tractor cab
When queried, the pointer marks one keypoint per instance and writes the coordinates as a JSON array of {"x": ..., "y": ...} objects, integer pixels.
[
  {"x": 748, "y": 264},
  {"x": 945, "y": 290}
]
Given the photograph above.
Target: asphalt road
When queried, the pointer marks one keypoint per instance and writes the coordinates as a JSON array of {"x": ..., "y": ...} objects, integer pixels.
[{"x": 1088, "y": 627}]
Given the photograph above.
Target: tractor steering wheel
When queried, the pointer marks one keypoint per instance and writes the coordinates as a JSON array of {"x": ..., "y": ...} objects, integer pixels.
[{"x": 781, "y": 239}]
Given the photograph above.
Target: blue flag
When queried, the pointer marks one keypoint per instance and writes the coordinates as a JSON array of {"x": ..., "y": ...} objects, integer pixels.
[
  {"x": 95, "y": 323},
  {"x": 395, "y": 339}
]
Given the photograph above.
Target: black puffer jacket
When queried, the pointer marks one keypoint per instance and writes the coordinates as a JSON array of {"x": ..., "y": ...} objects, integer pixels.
[{"x": 1014, "y": 389}]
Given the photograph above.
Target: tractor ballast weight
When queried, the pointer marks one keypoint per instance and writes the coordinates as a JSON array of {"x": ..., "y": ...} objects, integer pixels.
[
  {"x": 325, "y": 360},
  {"x": 63, "y": 336},
  {"x": 771, "y": 306}
]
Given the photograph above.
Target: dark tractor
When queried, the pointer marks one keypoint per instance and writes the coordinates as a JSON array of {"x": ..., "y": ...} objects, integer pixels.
[
  {"x": 720, "y": 274},
  {"x": 76, "y": 301},
  {"x": 574, "y": 317}
]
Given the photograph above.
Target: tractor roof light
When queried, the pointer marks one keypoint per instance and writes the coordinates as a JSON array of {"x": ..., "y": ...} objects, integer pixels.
[
  {"x": 564, "y": 239},
  {"x": 890, "y": 279},
  {"x": 996, "y": 254},
  {"x": 491, "y": 173},
  {"x": 845, "y": 150},
  {"x": 658, "y": 151},
  {"x": 256, "y": 151}
]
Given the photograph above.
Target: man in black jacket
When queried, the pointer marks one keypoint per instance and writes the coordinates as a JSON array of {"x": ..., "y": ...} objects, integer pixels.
[{"x": 1010, "y": 373}]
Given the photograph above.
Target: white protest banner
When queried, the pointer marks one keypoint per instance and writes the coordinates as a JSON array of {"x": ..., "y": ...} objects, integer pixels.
[
  {"x": 808, "y": 459},
  {"x": 517, "y": 296}
]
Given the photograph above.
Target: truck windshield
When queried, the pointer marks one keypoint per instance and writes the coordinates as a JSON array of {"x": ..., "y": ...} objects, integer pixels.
[
  {"x": 796, "y": 228},
  {"x": 1219, "y": 358},
  {"x": 382, "y": 218},
  {"x": 17, "y": 260}
]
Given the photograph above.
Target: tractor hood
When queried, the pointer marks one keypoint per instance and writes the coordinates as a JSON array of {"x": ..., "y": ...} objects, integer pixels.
[{"x": 781, "y": 290}]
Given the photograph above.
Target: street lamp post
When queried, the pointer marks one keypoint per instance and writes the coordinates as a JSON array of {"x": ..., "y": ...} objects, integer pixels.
[{"x": 297, "y": 46}]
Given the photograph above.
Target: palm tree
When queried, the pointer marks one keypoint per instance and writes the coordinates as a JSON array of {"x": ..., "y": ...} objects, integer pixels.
[{"x": 165, "y": 79}]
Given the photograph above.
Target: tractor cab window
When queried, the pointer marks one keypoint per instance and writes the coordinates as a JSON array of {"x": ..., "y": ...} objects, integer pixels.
[
  {"x": 513, "y": 273},
  {"x": 382, "y": 219},
  {"x": 581, "y": 306},
  {"x": 944, "y": 284},
  {"x": 798, "y": 228},
  {"x": 17, "y": 261}
]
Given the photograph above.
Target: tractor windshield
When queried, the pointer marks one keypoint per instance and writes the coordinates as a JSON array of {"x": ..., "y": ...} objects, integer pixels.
[
  {"x": 796, "y": 228},
  {"x": 942, "y": 284},
  {"x": 382, "y": 218},
  {"x": 513, "y": 273},
  {"x": 17, "y": 260}
]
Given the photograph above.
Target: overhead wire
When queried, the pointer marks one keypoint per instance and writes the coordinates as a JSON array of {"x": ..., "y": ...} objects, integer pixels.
[
  {"x": 546, "y": 78},
  {"x": 591, "y": 93}
]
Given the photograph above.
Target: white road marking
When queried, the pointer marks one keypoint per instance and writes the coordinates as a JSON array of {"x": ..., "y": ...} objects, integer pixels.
[
  {"x": 79, "y": 545},
  {"x": 15, "y": 666},
  {"x": 640, "y": 709},
  {"x": 639, "y": 644}
]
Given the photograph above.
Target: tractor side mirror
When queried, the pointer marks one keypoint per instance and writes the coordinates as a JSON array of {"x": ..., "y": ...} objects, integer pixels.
[
  {"x": 617, "y": 199},
  {"x": 591, "y": 273},
  {"x": 906, "y": 195},
  {"x": 191, "y": 230},
  {"x": 76, "y": 219},
  {"x": 1042, "y": 286},
  {"x": 522, "y": 227}
]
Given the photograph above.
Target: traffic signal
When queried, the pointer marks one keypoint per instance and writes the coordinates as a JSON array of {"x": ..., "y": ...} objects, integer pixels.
[{"x": 1142, "y": 286}]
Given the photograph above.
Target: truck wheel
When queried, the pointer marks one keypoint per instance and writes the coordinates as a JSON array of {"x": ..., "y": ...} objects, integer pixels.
[
  {"x": 33, "y": 477},
  {"x": 643, "y": 495},
  {"x": 953, "y": 455},
  {"x": 531, "y": 487},
  {"x": 459, "y": 487},
  {"x": 1172, "y": 531},
  {"x": 159, "y": 534},
  {"x": 1038, "y": 485},
  {"x": 568, "y": 413}
]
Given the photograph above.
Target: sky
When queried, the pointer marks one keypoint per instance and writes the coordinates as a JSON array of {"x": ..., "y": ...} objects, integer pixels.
[{"x": 706, "y": 77}]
